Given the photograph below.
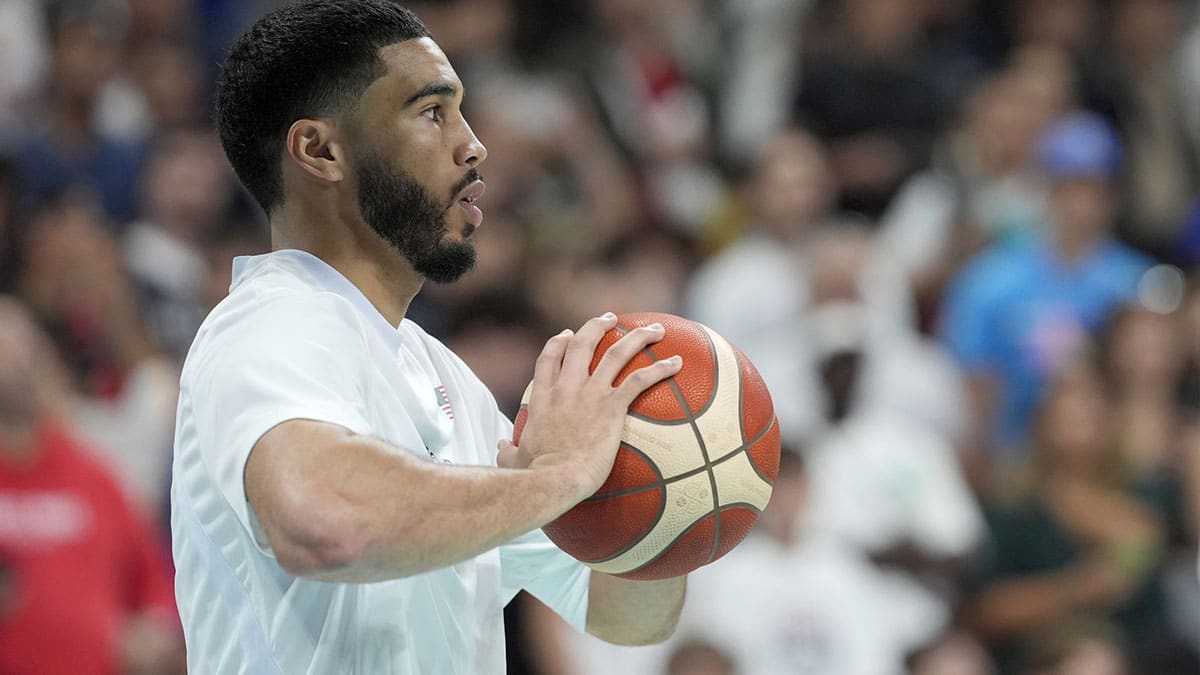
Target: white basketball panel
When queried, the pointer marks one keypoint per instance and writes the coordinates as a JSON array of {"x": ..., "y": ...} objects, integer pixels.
[{"x": 688, "y": 501}]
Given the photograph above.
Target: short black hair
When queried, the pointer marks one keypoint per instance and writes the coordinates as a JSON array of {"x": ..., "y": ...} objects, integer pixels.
[{"x": 309, "y": 59}]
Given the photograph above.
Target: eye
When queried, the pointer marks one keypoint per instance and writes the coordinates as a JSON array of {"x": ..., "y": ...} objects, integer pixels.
[{"x": 433, "y": 112}]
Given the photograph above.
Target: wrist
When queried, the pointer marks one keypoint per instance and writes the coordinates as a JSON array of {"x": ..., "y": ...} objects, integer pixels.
[{"x": 567, "y": 485}]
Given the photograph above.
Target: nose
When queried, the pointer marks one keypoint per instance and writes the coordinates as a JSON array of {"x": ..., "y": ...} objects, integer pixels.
[{"x": 471, "y": 152}]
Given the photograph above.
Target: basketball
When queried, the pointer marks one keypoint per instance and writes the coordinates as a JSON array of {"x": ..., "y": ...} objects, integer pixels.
[{"x": 697, "y": 459}]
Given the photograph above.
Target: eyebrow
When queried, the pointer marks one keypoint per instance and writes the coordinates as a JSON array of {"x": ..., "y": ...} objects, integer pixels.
[{"x": 433, "y": 89}]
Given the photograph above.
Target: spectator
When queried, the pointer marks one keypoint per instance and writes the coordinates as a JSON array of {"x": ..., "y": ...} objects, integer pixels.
[
  {"x": 186, "y": 194},
  {"x": 1080, "y": 646},
  {"x": 871, "y": 99},
  {"x": 648, "y": 66},
  {"x": 984, "y": 183},
  {"x": 788, "y": 194},
  {"x": 558, "y": 174},
  {"x": 1075, "y": 536},
  {"x": 1142, "y": 355},
  {"x": 787, "y": 600},
  {"x": 74, "y": 282},
  {"x": 1140, "y": 71},
  {"x": 1021, "y": 309},
  {"x": 170, "y": 81},
  {"x": 759, "y": 78},
  {"x": 89, "y": 589},
  {"x": 65, "y": 149}
]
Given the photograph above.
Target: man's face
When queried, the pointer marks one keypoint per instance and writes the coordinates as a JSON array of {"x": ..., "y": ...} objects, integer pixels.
[
  {"x": 415, "y": 160},
  {"x": 1082, "y": 206}
]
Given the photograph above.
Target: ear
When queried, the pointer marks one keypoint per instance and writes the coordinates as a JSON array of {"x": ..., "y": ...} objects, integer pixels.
[{"x": 317, "y": 149}]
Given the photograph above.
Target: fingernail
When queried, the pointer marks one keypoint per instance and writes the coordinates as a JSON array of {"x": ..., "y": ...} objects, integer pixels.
[
  {"x": 656, "y": 326},
  {"x": 566, "y": 331},
  {"x": 608, "y": 315},
  {"x": 676, "y": 359}
]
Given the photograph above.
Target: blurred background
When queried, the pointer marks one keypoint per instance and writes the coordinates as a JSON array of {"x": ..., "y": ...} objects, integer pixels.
[{"x": 959, "y": 238}]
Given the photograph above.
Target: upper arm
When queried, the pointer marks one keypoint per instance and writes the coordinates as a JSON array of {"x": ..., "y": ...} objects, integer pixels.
[
  {"x": 291, "y": 480},
  {"x": 282, "y": 363}
]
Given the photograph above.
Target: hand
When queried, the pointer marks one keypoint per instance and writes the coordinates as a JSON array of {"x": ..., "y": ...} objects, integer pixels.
[
  {"x": 1095, "y": 582},
  {"x": 576, "y": 418}
]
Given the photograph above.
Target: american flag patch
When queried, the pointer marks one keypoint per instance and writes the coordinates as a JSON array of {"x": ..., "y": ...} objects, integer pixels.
[{"x": 443, "y": 399}]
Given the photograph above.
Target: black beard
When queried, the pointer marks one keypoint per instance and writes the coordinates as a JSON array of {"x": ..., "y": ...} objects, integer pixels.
[{"x": 407, "y": 216}]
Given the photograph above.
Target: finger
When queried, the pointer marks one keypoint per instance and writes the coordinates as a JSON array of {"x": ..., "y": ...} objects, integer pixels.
[
  {"x": 506, "y": 455},
  {"x": 548, "y": 365},
  {"x": 643, "y": 378},
  {"x": 583, "y": 345},
  {"x": 625, "y": 349}
]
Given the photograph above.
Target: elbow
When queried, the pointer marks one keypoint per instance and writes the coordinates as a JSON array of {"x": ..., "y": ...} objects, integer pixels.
[
  {"x": 316, "y": 558},
  {"x": 310, "y": 539}
]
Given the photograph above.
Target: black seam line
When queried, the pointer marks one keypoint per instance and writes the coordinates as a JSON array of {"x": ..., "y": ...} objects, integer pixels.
[
  {"x": 712, "y": 475},
  {"x": 691, "y": 420},
  {"x": 716, "y": 516},
  {"x": 664, "y": 482},
  {"x": 662, "y": 507},
  {"x": 753, "y": 464}
]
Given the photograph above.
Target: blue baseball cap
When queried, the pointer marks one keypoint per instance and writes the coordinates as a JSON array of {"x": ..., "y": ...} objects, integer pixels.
[{"x": 1080, "y": 145}]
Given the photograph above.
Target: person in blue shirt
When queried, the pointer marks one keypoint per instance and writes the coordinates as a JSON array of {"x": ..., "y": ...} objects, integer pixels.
[{"x": 1024, "y": 307}]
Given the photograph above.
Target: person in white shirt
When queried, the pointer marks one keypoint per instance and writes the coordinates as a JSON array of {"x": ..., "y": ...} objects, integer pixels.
[{"x": 344, "y": 497}]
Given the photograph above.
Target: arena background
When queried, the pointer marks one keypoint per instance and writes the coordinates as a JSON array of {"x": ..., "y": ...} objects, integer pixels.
[{"x": 960, "y": 239}]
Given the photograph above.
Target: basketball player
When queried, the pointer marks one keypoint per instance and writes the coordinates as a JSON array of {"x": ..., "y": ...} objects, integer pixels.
[{"x": 337, "y": 505}]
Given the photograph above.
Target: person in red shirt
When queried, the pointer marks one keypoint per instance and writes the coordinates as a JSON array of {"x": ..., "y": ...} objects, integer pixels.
[{"x": 84, "y": 588}]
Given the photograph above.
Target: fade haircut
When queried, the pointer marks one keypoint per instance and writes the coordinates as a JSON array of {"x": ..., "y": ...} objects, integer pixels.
[{"x": 306, "y": 60}]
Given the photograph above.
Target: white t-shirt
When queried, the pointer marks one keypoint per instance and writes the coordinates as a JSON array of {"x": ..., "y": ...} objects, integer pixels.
[
  {"x": 295, "y": 339},
  {"x": 879, "y": 480}
]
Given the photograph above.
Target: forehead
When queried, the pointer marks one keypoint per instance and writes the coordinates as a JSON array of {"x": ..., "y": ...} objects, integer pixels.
[{"x": 411, "y": 65}]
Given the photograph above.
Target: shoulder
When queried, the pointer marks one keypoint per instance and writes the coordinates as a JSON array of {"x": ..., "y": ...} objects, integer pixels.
[
  {"x": 1002, "y": 266},
  {"x": 270, "y": 320},
  {"x": 1129, "y": 260},
  {"x": 439, "y": 355}
]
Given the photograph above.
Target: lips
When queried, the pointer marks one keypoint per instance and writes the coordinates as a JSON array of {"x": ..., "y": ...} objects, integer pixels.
[
  {"x": 472, "y": 192},
  {"x": 466, "y": 199}
]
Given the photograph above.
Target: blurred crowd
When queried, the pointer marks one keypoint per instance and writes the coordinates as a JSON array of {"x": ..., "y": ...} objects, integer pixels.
[{"x": 960, "y": 239}]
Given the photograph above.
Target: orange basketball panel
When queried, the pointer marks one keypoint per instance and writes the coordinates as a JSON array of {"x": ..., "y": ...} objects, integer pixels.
[
  {"x": 599, "y": 529},
  {"x": 631, "y": 469},
  {"x": 736, "y": 523},
  {"x": 691, "y": 550},
  {"x": 764, "y": 452},
  {"x": 757, "y": 409}
]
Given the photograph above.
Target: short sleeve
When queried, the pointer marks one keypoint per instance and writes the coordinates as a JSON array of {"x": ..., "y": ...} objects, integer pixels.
[
  {"x": 292, "y": 357},
  {"x": 533, "y": 563}
]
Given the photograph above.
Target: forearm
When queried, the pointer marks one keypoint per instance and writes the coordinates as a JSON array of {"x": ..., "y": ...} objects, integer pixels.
[
  {"x": 377, "y": 514},
  {"x": 1015, "y": 606},
  {"x": 628, "y": 612}
]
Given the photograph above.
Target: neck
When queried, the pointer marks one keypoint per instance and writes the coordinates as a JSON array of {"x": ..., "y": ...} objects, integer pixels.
[
  {"x": 340, "y": 238},
  {"x": 1073, "y": 245}
]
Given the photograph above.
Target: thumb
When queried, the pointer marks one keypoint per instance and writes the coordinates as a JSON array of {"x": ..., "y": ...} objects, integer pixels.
[{"x": 506, "y": 455}]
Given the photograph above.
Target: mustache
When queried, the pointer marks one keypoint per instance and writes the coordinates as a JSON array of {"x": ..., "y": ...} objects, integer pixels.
[{"x": 470, "y": 177}]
